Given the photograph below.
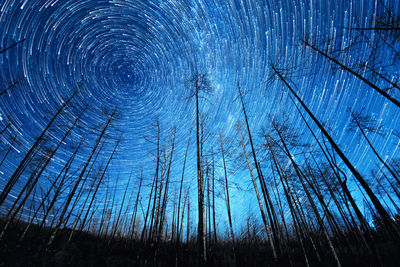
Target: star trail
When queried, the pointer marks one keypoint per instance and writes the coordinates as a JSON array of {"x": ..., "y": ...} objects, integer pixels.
[{"x": 136, "y": 57}]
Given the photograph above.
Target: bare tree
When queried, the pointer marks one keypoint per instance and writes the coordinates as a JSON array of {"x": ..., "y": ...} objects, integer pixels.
[
  {"x": 200, "y": 84},
  {"x": 21, "y": 167},
  {"x": 375, "y": 201}
]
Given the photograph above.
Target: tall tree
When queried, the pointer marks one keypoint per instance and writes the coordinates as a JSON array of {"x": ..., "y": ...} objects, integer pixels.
[
  {"x": 267, "y": 199},
  {"x": 368, "y": 124},
  {"x": 375, "y": 201},
  {"x": 23, "y": 164},
  {"x": 180, "y": 190},
  {"x": 200, "y": 84},
  {"x": 79, "y": 178},
  {"x": 263, "y": 216},
  {"x": 355, "y": 73},
  {"x": 228, "y": 205}
]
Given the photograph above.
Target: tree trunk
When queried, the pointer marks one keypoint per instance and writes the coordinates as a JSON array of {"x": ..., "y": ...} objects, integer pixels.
[
  {"x": 200, "y": 189},
  {"x": 71, "y": 194},
  {"x": 359, "y": 76},
  {"x": 21, "y": 167},
  {"x": 264, "y": 218},
  {"x": 375, "y": 201}
]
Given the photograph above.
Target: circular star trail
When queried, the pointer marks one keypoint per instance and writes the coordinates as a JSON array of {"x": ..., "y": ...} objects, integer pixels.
[{"x": 137, "y": 56}]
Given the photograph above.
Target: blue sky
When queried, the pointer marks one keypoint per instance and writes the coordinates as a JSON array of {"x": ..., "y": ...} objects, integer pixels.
[{"x": 137, "y": 56}]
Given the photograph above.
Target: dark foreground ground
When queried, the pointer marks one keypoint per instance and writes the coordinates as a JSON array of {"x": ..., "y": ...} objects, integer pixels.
[{"x": 89, "y": 250}]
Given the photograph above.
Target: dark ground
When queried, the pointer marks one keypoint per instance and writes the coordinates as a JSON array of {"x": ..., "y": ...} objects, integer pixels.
[{"x": 88, "y": 250}]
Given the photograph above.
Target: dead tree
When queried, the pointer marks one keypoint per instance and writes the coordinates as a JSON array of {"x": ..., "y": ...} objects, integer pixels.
[
  {"x": 375, "y": 201},
  {"x": 228, "y": 206},
  {"x": 267, "y": 199},
  {"x": 180, "y": 191},
  {"x": 200, "y": 84},
  {"x": 9, "y": 88},
  {"x": 264, "y": 218},
  {"x": 23, "y": 164},
  {"x": 136, "y": 207},
  {"x": 366, "y": 123},
  {"x": 53, "y": 185},
  {"x": 71, "y": 194},
  {"x": 11, "y": 46},
  {"x": 356, "y": 74},
  {"x": 99, "y": 183}
]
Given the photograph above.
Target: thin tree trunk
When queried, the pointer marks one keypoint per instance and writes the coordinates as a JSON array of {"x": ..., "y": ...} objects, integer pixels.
[
  {"x": 8, "y": 88},
  {"x": 213, "y": 197},
  {"x": 180, "y": 188},
  {"x": 120, "y": 210},
  {"x": 71, "y": 194},
  {"x": 359, "y": 76},
  {"x": 200, "y": 188},
  {"x": 228, "y": 206},
  {"x": 43, "y": 167},
  {"x": 11, "y": 46},
  {"x": 373, "y": 149},
  {"x": 99, "y": 183},
  {"x": 264, "y": 218},
  {"x": 65, "y": 168},
  {"x": 21, "y": 167},
  {"x": 135, "y": 208},
  {"x": 381, "y": 210},
  {"x": 320, "y": 222},
  {"x": 8, "y": 150},
  {"x": 267, "y": 199}
]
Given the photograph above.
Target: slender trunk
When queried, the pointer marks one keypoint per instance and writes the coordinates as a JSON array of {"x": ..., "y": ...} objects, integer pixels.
[
  {"x": 213, "y": 197},
  {"x": 23, "y": 164},
  {"x": 381, "y": 210},
  {"x": 296, "y": 223},
  {"x": 228, "y": 206},
  {"x": 153, "y": 213},
  {"x": 99, "y": 183},
  {"x": 136, "y": 205},
  {"x": 148, "y": 210},
  {"x": 8, "y": 88},
  {"x": 58, "y": 190},
  {"x": 43, "y": 167},
  {"x": 71, "y": 194},
  {"x": 165, "y": 198},
  {"x": 264, "y": 218},
  {"x": 267, "y": 199},
  {"x": 317, "y": 215},
  {"x": 11, "y": 46},
  {"x": 120, "y": 210},
  {"x": 8, "y": 150},
  {"x": 200, "y": 190},
  {"x": 183, "y": 215},
  {"x": 359, "y": 76},
  {"x": 5, "y": 129},
  {"x": 180, "y": 188},
  {"x": 395, "y": 176},
  {"x": 65, "y": 168}
]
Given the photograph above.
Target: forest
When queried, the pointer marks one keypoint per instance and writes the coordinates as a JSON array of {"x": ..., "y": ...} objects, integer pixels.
[{"x": 199, "y": 133}]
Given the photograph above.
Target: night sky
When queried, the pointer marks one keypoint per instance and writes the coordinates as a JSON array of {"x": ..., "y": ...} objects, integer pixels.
[{"x": 138, "y": 55}]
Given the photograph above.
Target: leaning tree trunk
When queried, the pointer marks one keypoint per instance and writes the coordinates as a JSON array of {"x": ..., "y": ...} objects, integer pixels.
[
  {"x": 71, "y": 194},
  {"x": 228, "y": 206},
  {"x": 98, "y": 184},
  {"x": 395, "y": 176},
  {"x": 359, "y": 76},
  {"x": 268, "y": 202},
  {"x": 65, "y": 168},
  {"x": 375, "y": 201},
  {"x": 264, "y": 218},
  {"x": 23, "y": 164}
]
